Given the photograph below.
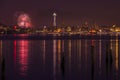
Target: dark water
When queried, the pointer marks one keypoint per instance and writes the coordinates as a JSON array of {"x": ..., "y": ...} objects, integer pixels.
[{"x": 78, "y": 59}]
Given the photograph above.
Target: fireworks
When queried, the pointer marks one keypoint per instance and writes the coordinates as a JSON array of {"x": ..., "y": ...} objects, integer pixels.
[{"x": 24, "y": 20}]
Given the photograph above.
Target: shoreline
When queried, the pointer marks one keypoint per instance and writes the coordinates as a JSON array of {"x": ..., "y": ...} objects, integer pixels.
[{"x": 48, "y": 37}]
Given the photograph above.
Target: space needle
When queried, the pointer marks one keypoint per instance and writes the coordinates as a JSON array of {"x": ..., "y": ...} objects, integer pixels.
[{"x": 54, "y": 19}]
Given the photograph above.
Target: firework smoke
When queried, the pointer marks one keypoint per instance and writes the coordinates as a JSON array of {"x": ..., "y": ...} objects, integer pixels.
[{"x": 24, "y": 20}]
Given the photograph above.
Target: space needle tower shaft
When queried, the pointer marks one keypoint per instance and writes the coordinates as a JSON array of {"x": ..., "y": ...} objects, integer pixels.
[{"x": 54, "y": 21}]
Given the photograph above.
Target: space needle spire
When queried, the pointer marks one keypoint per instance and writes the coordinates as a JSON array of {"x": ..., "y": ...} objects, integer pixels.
[{"x": 54, "y": 19}]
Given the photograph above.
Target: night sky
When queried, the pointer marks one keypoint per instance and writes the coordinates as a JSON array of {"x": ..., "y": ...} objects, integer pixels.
[{"x": 69, "y": 12}]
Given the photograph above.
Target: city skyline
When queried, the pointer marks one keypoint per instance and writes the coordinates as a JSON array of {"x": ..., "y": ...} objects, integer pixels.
[{"x": 68, "y": 12}]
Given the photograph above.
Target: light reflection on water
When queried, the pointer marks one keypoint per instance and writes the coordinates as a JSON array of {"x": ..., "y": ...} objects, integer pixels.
[
  {"x": 86, "y": 59},
  {"x": 0, "y": 50},
  {"x": 54, "y": 59},
  {"x": 23, "y": 56},
  {"x": 44, "y": 48},
  {"x": 117, "y": 57}
]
